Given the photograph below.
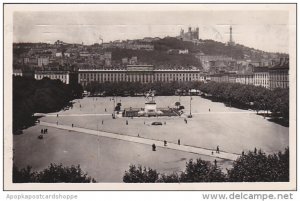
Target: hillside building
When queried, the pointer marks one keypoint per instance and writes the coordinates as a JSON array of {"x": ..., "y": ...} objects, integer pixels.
[
  {"x": 190, "y": 35},
  {"x": 137, "y": 73},
  {"x": 279, "y": 74}
]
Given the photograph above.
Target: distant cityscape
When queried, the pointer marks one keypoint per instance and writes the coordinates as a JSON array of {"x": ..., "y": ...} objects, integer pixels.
[{"x": 181, "y": 58}]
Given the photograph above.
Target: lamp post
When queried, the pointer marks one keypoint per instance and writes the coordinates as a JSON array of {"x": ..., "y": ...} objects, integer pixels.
[
  {"x": 190, "y": 115},
  {"x": 114, "y": 102}
]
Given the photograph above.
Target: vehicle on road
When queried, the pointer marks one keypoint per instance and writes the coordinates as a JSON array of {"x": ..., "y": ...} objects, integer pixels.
[{"x": 157, "y": 123}]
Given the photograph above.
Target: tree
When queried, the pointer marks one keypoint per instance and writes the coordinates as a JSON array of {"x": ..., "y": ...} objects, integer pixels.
[
  {"x": 31, "y": 96},
  {"x": 140, "y": 175},
  {"x": 171, "y": 178},
  {"x": 258, "y": 167},
  {"x": 53, "y": 174},
  {"x": 24, "y": 175},
  {"x": 255, "y": 166},
  {"x": 202, "y": 171}
]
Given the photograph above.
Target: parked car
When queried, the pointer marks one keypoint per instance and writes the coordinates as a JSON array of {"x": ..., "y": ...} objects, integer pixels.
[{"x": 157, "y": 123}]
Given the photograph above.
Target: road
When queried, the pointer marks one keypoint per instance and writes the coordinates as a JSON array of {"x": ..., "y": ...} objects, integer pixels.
[{"x": 146, "y": 141}]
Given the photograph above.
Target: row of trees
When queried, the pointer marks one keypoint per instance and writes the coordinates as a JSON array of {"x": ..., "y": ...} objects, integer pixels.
[
  {"x": 52, "y": 174},
  {"x": 249, "y": 96},
  {"x": 130, "y": 88},
  {"x": 255, "y": 166},
  {"x": 31, "y": 96}
]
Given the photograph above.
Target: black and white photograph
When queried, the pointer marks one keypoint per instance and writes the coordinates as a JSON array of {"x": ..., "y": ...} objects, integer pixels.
[{"x": 110, "y": 96}]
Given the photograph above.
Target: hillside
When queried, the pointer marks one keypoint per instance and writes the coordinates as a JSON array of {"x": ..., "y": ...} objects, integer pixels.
[
  {"x": 158, "y": 58},
  {"x": 160, "y": 55}
]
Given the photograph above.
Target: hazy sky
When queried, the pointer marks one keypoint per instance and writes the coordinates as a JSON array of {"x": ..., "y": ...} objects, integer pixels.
[{"x": 264, "y": 30}]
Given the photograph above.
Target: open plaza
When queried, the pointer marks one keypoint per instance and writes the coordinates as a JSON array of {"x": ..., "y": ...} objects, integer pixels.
[{"x": 87, "y": 134}]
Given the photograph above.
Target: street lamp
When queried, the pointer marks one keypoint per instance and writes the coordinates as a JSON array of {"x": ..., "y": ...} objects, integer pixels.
[{"x": 190, "y": 115}]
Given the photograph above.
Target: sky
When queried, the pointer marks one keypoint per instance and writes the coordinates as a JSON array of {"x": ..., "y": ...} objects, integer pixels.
[{"x": 264, "y": 30}]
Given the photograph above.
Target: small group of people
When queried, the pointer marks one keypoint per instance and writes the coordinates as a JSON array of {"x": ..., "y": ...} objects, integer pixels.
[
  {"x": 165, "y": 144},
  {"x": 44, "y": 131}
]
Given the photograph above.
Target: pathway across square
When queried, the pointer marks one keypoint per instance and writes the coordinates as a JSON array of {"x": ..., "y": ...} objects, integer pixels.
[{"x": 146, "y": 141}]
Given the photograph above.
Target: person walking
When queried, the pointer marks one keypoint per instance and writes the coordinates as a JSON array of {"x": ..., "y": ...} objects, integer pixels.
[
  {"x": 72, "y": 125},
  {"x": 153, "y": 147},
  {"x": 218, "y": 149},
  {"x": 209, "y": 109},
  {"x": 165, "y": 143},
  {"x": 215, "y": 162},
  {"x": 178, "y": 142},
  {"x": 102, "y": 122}
]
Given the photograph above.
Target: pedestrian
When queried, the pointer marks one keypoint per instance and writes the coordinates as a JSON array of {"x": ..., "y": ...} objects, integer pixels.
[
  {"x": 56, "y": 115},
  {"x": 144, "y": 122},
  {"x": 46, "y": 131},
  {"x": 209, "y": 109},
  {"x": 178, "y": 142},
  {"x": 102, "y": 122},
  {"x": 105, "y": 109},
  {"x": 80, "y": 105},
  {"x": 165, "y": 143},
  {"x": 126, "y": 122},
  {"x": 255, "y": 150},
  {"x": 212, "y": 153},
  {"x": 72, "y": 125},
  {"x": 42, "y": 131},
  {"x": 243, "y": 153},
  {"x": 153, "y": 147},
  {"x": 218, "y": 149},
  {"x": 138, "y": 135},
  {"x": 215, "y": 162}
]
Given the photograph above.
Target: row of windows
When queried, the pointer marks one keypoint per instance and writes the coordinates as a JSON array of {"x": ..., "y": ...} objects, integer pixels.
[
  {"x": 63, "y": 78},
  {"x": 279, "y": 77},
  {"x": 93, "y": 75},
  {"x": 279, "y": 84},
  {"x": 51, "y": 76}
]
